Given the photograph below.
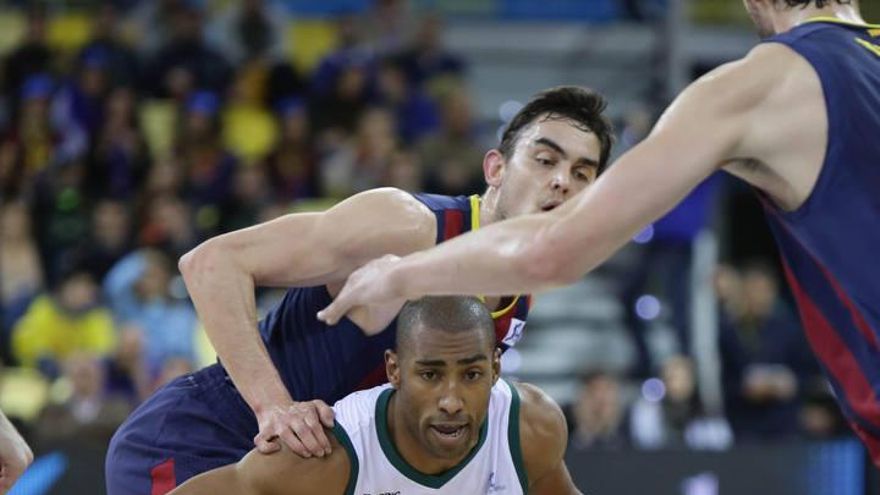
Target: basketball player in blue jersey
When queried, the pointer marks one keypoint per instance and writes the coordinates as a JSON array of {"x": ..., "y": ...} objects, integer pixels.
[
  {"x": 799, "y": 119},
  {"x": 444, "y": 423},
  {"x": 276, "y": 376}
]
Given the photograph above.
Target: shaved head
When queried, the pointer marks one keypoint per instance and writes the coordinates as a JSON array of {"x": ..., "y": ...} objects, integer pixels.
[{"x": 450, "y": 314}]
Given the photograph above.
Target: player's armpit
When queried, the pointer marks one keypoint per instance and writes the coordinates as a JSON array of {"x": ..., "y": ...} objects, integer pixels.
[
  {"x": 280, "y": 473},
  {"x": 543, "y": 439}
]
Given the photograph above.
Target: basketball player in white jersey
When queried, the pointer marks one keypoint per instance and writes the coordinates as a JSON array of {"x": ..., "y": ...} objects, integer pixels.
[{"x": 444, "y": 423}]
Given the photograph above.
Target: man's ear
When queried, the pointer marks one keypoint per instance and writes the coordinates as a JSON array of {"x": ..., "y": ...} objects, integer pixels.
[
  {"x": 496, "y": 365},
  {"x": 493, "y": 167},
  {"x": 392, "y": 368}
]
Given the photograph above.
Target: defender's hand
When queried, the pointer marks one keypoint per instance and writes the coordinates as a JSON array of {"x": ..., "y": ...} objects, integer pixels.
[
  {"x": 300, "y": 425},
  {"x": 368, "y": 297}
]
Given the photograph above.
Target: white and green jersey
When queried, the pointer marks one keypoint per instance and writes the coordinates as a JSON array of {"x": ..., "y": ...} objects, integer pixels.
[{"x": 493, "y": 467}]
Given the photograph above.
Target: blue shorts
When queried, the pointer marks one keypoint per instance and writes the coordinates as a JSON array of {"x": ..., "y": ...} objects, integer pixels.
[{"x": 195, "y": 423}]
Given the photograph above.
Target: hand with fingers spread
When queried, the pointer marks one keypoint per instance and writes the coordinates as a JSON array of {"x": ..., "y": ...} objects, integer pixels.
[
  {"x": 300, "y": 425},
  {"x": 15, "y": 455},
  {"x": 369, "y": 297}
]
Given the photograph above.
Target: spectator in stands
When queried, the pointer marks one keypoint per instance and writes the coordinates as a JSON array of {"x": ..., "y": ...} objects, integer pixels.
[
  {"x": 61, "y": 215},
  {"x": 664, "y": 265},
  {"x": 669, "y": 414},
  {"x": 89, "y": 414},
  {"x": 109, "y": 237},
  {"x": 138, "y": 290},
  {"x": 33, "y": 134},
  {"x": 210, "y": 168},
  {"x": 11, "y": 171},
  {"x": 79, "y": 103},
  {"x": 31, "y": 57},
  {"x": 250, "y": 30},
  {"x": 765, "y": 359},
  {"x": 291, "y": 166},
  {"x": 248, "y": 198},
  {"x": 426, "y": 61},
  {"x": 415, "y": 112},
  {"x": 599, "y": 415},
  {"x": 362, "y": 163},
  {"x": 168, "y": 225},
  {"x": 405, "y": 171},
  {"x": 22, "y": 272},
  {"x": 186, "y": 62},
  {"x": 118, "y": 163},
  {"x": 122, "y": 64},
  {"x": 58, "y": 324},
  {"x": 336, "y": 111},
  {"x": 451, "y": 155}
]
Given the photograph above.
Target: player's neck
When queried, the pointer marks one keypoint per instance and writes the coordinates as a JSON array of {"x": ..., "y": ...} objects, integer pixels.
[
  {"x": 489, "y": 207},
  {"x": 408, "y": 446},
  {"x": 795, "y": 16}
]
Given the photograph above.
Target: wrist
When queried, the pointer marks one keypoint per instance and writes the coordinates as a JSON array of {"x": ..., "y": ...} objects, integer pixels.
[{"x": 401, "y": 286}]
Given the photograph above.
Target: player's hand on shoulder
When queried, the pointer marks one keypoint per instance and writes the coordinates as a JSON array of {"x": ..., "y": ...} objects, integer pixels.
[
  {"x": 299, "y": 425},
  {"x": 369, "y": 297}
]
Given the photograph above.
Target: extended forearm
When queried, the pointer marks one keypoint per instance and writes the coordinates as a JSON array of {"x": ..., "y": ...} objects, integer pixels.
[
  {"x": 223, "y": 294},
  {"x": 496, "y": 260}
]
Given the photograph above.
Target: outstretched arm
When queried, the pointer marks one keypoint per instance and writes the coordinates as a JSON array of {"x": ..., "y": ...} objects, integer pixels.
[
  {"x": 699, "y": 132},
  {"x": 280, "y": 473},
  {"x": 294, "y": 250}
]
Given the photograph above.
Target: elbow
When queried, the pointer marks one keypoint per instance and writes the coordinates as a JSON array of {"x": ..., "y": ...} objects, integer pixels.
[{"x": 203, "y": 260}]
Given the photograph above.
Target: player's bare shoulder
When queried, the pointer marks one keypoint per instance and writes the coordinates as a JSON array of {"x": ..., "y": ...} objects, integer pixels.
[
  {"x": 543, "y": 431},
  {"x": 786, "y": 136},
  {"x": 273, "y": 474},
  {"x": 395, "y": 216}
]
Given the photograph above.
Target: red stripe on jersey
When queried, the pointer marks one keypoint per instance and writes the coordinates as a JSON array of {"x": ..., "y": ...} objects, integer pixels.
[
  {"x": 870, "y": 441},
  {"x": 453, "y": 221},
  {"x": 857, "y": 317},
  {"x": 162, "y": 477},
  {"x": 838, "y": 359}
]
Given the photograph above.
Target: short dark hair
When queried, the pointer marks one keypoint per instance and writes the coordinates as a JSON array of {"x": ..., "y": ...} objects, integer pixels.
[
  {"x": 581, "y": 105},
  {"x": 451, "y": 314},
  {"x": 818, "y": 3}
]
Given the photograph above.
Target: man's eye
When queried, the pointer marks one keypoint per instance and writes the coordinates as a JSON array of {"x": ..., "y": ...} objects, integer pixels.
[
  {"x": 428, "y": 375},
  {"x": 473, "y": 375}
]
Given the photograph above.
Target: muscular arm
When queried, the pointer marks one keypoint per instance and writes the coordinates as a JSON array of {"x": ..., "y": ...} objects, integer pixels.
[
  {"x": 543, "y": 436},
  {"x": 281, "y": 473},
  {"x": 294, "y": 250},
  {"x": 700, "y": 132}
]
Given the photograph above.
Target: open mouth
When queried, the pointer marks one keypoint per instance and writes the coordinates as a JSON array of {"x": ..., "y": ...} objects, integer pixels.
[{"x": 449, "y": 432}]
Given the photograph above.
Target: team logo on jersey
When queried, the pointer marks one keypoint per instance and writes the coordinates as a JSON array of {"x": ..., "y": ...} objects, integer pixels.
[
  {"x": 493, "y": 485},
  {"x": 514, "y": 332},
  {"x": 396, "y": 492}
]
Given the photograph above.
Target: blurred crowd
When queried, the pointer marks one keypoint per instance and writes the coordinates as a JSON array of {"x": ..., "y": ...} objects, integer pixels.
[{"x": 174, "y": 121}]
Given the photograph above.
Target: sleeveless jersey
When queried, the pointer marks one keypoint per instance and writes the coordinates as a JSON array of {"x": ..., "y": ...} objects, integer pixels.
[
  {"x": 830, "y": 246},
  {"x": 317, "y": 361},
  {"x": 494, "y": 465}
]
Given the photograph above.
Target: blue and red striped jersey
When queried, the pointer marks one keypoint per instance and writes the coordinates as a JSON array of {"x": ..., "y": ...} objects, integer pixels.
[
  {"x": 831, "y": 244},
  {"x": 317, "y": 361}
]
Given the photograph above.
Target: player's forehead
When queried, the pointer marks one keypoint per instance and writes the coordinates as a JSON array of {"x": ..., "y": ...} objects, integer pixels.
[
  {"x": 450, "y": 348},
  {"x": 573, "y": 137}
]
